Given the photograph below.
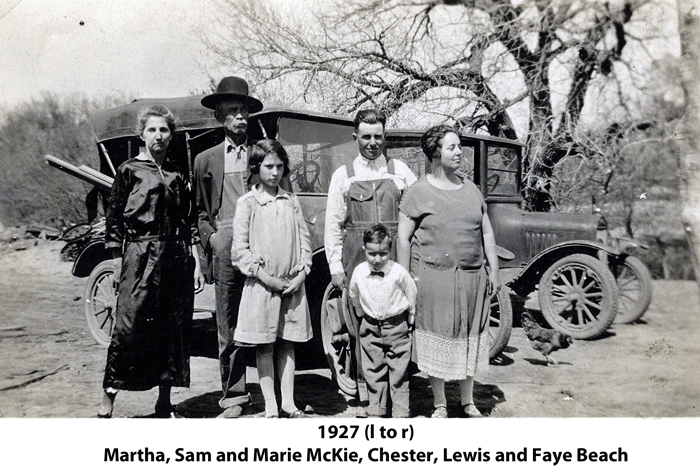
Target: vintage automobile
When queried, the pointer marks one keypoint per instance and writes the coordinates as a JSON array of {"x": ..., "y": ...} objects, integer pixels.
[{"x": 567, "y": 264}]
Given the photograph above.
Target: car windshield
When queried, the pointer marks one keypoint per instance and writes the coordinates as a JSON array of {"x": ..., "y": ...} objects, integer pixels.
[
  {"x": 315, "y": 150},
  {"x": 503, "y": 171}
]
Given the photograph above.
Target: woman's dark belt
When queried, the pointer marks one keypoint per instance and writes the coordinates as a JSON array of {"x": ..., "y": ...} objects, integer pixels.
[
  {"x": 467, "y": 268},
  {"x": 154, "y": 237}
]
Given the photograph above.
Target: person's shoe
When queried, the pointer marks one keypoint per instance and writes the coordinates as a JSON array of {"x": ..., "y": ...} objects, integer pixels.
[
  {"x": 361, "y": 412},
  {"x": 234, "y": 411},
  {"x": 439, "y": 412},
  {"x": 167, "y": 411},
  {"x": 294, "y": 414},
  {"x": 471, "y": 411}
]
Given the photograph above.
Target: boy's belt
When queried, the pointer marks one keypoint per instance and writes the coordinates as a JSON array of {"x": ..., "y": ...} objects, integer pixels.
[{"x": 392, "y": 319}]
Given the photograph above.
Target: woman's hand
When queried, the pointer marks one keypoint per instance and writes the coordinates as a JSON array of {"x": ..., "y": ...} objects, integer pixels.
[
  {"x": 198, "y": 275},
  {"x": 117, "y": 267},
  {"x": 494, "y": 283},
  {"x": 198, "y": 279},
  {"x": 295, "y": 284}
]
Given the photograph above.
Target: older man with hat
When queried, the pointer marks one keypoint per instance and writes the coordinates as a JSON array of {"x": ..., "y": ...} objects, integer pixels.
[{"x": 221, "y": 177}]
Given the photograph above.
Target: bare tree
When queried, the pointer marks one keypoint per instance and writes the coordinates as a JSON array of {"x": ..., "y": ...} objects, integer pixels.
[
  {"x": 470, "y": 61},
  {"x": 31, "y": 191},
  {"x": 689, "y": 27}
]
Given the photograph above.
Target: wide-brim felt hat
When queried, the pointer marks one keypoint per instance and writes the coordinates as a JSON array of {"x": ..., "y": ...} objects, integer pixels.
[{"x": 232, "y": 88}]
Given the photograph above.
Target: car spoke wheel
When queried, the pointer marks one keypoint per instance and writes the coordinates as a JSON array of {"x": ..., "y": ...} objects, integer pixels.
[
  {"x": 100, "y": 303},
  {"x": 500, "y": 323},
  {"x": 634, "y": 284},
  {"x": 337, "y": 342},
  {"x": 578, "y": 296}
]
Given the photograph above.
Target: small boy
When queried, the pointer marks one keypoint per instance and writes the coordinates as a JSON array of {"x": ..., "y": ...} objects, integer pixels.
[{"x": 384, "y": 296}]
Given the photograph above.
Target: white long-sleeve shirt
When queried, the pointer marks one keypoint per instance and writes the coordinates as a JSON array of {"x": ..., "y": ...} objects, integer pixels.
[
  {"x": 336, "y": 208},
  {"x": 383, "y": 297}
]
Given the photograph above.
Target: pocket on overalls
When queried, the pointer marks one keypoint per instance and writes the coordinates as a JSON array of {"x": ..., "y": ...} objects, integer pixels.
[{"x": 361, "y": 206}]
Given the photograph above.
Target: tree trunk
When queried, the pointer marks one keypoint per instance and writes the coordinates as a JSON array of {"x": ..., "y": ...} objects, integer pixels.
[{"x": 689, "y": 29}]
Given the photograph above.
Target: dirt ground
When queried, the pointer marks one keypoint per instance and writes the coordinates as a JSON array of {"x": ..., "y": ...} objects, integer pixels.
[{"x": 52, "y": 368}]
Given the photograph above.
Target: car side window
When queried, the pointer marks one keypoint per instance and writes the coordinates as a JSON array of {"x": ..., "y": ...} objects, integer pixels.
[
  {"x": 503, "y": 171},
  {"x": 413, "y": 157}
]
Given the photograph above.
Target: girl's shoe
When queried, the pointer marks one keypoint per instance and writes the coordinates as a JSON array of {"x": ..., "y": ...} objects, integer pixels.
[
  {"x": 470, "y": 411},
  {"x": 439, "y": 412},
  {"x": 293, "y": 414}
]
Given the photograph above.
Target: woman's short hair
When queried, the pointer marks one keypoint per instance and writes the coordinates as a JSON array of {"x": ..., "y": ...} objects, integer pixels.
[
  {"x": 262, "y": 148},
  {"x": 154, "y": 110},
  {"x": 431, "y": 141}
]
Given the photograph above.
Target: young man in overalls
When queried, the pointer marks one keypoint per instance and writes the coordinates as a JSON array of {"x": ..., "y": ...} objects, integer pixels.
[{"x": 361, "y": 194}]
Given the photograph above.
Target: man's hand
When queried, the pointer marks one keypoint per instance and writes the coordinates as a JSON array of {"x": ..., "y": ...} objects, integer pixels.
[
  {"x": 339, "y": 280},
  {"x": 117, "y": 267},
  {"x": 212, "y": 242}
]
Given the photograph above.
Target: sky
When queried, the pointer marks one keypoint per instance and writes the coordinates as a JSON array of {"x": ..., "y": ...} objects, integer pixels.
[
  {"x": 119, "y": 48},
  {"x": 136, "y": 48}
]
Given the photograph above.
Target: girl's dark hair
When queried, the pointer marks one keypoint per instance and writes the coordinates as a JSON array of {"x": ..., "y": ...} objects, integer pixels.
[
  {"x": 431, "y": 141},
  {"x": 154, "y": 110},
  {"x": 262, "y": 148}
]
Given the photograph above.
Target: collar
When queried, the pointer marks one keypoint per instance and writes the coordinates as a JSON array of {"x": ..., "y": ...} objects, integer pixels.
[
  {"x": 228, "y": 142},
  {"x": 388, "y": 267},
  {"x": 143, "y": 157},
  {"x": 263, "y": 197},
  {"x": 374, "y": 164}
]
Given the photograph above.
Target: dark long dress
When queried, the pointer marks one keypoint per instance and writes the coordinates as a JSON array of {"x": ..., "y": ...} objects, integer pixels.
[
  {"x": 447, "y": 255},
  {"x": 150, "y": 215}
]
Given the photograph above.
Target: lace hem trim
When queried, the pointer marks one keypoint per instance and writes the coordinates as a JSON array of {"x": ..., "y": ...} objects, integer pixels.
[{"x": 451, "y": 358}]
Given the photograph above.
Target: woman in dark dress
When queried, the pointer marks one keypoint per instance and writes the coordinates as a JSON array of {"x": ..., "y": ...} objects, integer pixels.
[
  {"x": 151, "y": 231},
  {"x": 444, "y": 233}
]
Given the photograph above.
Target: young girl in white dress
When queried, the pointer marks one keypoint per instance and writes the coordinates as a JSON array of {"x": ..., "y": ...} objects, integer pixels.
[{"x": 271, "y": 247}]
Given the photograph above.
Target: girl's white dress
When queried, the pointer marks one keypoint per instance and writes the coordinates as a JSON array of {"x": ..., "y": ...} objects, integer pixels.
[{"x": 270, "y": 232}]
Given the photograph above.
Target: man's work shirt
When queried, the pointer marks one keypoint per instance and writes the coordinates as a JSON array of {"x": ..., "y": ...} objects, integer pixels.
[
  {"x": 336, "y": 208},
  {"x": 234, "y": 183}
]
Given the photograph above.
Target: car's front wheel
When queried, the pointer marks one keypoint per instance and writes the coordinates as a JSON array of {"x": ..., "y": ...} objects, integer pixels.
[
  {"x": 100, "y": 302},
  {"x": 579, "y": 296}
]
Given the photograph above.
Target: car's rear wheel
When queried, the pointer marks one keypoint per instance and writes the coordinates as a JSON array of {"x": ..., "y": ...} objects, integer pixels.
[
  {"x": 76, "y": 232},
  {"x": 578, "y": 296},
  {"x": 100, "y": 302},
  {"x": 634, "y": 283},
  {"x": 500, "y": 323}
]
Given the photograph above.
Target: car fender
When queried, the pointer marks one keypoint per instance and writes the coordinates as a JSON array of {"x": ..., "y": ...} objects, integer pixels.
[
  {"x": 89, "y": 257},
  {"x": 624, "y": 244},
  {"x": 530, "y": 275}
]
